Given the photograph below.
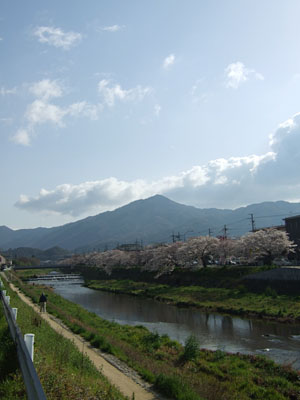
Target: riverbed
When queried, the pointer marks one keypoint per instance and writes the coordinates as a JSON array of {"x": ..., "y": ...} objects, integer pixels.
[{"x": 280, "y": 342}]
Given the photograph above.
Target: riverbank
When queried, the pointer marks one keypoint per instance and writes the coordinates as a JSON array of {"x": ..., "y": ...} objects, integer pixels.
[
  {"x": 179, "y": 372},
  {"x": 65, "y": 372},
  {"x": 235, "y": 301}
]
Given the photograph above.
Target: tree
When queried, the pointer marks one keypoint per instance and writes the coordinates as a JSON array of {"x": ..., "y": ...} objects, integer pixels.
[
  {"x": 200, "y": 248},
  {"x": 163, "y": 259},
  {"x": 226, "y": 248},
  {"x": 267, "y": 244},
  {"x": 32, "y": 261}
]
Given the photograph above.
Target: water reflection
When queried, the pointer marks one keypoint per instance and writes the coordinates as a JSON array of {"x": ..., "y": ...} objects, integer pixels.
[{"x": 278, "y": 341}]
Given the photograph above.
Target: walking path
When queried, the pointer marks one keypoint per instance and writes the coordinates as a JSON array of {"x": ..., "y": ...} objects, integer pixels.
[{"x": 126, "y": 384}]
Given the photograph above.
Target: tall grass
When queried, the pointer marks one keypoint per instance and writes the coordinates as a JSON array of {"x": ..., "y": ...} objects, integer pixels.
[{"x": 11, "y": 381}]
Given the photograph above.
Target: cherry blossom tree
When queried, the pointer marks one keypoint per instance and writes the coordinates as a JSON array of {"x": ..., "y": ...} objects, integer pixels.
[
  {"x": 226, "y": 248},
  {"x": 200, "y": 248},
  {"x": 267, "y": 244},
  {"x": 164, "y": 259}
]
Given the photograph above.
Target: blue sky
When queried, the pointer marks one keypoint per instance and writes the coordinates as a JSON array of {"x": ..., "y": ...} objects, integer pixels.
[{"x": 103, "y": 103}]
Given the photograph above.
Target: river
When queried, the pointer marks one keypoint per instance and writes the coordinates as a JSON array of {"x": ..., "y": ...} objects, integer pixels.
[{"x": 280, "y": 342}]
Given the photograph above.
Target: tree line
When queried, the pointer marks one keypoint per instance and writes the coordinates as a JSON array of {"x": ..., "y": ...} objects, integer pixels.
[{"x": 264, "y": 245}]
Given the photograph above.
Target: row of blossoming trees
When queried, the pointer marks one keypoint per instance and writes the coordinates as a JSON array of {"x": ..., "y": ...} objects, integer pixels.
[{"x": 263, "y": 245}]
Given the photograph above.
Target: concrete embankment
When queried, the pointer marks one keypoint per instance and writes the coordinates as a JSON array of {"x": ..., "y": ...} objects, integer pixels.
[{"x": 285, "y": 280}]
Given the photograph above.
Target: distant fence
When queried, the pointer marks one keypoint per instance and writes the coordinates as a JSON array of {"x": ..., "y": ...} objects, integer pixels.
[{"x": 31, "y": 380}]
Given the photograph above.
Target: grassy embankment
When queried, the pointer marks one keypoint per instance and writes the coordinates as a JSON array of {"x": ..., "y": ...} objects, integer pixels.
[
  {"x": 11, "y": 381},
  {"x": 65, "y": 373},
  {"x": 181, "y": 373},
  {"x": 231, "y": 301},
  {"x": 33, "y": 273},
  {"x": 215, "y": 290}
]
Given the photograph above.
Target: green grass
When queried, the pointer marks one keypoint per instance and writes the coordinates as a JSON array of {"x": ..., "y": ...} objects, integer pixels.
[
  {"x": 11, "y": 381},
  {"x": 65, "y": 373},
  {"x": 33, "y": 273},
  {"x": 233, "y": 301},
  {"x": 205, "y": 375}
]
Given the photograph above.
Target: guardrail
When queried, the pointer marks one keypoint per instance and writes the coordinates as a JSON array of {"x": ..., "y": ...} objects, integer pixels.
[{"x": 31, "y": 380}]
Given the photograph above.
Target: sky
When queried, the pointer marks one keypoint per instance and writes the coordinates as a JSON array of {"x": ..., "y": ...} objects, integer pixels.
[{"x": 107, "y": 102}]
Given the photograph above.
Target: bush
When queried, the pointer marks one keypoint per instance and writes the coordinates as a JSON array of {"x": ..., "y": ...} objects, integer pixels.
[
  {"x": 102, "y": 344},
  {"x": 191, "y": 348},
  {"x": 174, "y": 388},
  {"x": 151, "y": 341}
]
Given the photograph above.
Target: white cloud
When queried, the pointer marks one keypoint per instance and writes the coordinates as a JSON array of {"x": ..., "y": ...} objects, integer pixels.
[
  {"x": 5, "y": 92},
  {"x": 110, "y": 193},
  {"x": 57, "y": 37},
  {"x": 231, "y": 182},
  {"x": 111, "y": 94},
  {"x": 22, "y": 137},
  {"x": 237, "y": 73},
  {"x": 113, "y": 28},
  {"x": 46, "y": 89},
  {"x": 169, "y": 61},
  {"x": 84, "y": 109},
  {"x": 42, "y": 111}
]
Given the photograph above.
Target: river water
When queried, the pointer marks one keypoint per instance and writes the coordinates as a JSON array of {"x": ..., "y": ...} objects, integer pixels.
[{"x": 280, "y": 342}]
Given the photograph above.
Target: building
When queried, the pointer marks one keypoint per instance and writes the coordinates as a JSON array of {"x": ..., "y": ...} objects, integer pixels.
[
  {"x": 292, "y": 226},
  {"x": 130, "y": 246},
  {"x": 277, "y": 227}
]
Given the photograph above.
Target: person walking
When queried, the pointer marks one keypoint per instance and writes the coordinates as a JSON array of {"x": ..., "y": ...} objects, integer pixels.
[{"x": 43, "y": 301}]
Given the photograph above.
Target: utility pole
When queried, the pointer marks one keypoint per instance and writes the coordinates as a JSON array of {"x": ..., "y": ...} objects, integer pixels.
[
  {"x": 225, "y": 231},
  {"x": 175, "y": 237},
  {"x": 209, "y": 232},
  {"x": 252, "y": 222}
]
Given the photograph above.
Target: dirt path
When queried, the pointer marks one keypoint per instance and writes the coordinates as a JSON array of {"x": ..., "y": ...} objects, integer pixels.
[{"x": 124, "y": 383}]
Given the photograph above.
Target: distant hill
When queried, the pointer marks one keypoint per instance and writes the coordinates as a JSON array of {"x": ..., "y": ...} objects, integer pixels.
[
  {"x": 54, "y": 253},
  {"x": 151, "y": 220}
]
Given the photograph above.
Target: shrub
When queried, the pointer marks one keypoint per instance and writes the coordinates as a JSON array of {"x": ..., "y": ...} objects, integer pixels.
[
  {"x": 151, "y": 341},
  {"x": 102, "y": 344},
  {"x": 174, "y": 388},
  {"x": 191, "y": 348}
]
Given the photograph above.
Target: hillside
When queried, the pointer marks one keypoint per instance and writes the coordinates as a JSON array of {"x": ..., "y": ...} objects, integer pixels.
[
  {"x": 55, "y": 253},
  {"x": 150, "y": 220}
]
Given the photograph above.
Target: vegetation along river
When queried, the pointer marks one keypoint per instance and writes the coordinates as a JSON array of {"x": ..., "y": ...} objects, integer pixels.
[{"x": 280, "y": 342}]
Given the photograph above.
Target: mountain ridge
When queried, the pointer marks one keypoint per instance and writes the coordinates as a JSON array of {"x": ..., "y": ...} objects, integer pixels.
[{"x": 149, "y": 220}]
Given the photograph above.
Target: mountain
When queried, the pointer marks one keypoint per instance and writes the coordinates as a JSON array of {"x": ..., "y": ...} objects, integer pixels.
[
  {"x": 151, "y": 220},
  {"x": 55, "y": 253}
]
